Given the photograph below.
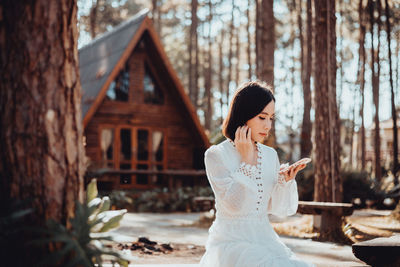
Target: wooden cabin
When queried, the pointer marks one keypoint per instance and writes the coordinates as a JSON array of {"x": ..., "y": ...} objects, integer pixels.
[{"x": 140, "y": 128}]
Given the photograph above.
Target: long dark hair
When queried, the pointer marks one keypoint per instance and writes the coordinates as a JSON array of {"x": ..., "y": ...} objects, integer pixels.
[{"x": 249, "y": 100}]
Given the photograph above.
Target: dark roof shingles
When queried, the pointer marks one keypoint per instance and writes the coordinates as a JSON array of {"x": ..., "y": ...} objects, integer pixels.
[{"x": 100, "y": 57}]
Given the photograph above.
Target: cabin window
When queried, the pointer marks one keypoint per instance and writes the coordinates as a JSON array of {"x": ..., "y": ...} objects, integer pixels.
[
  {"x": 126, "y": 148},
  {"x": 119, "y": 88},
  {"x": 151, "y": 91},
  {"x": 143, "y": 144},
  {"x": 157, "y": 148},
  {"x": 157, "y": 155},
  {"x": 107, "y": 146}
]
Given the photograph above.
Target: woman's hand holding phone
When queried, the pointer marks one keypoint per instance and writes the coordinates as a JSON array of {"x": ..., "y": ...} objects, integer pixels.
[
  {"x": 243, "y": 144},
  {"x": 291, "y": 171}
]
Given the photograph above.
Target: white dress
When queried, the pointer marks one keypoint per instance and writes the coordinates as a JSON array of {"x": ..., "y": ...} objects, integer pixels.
[{"x": 241, "y": 234}]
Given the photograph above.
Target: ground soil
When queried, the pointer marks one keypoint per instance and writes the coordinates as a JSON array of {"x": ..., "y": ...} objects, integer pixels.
[
  {"x": 362, "y": 225},
  {"x": 180, "y": 254}
]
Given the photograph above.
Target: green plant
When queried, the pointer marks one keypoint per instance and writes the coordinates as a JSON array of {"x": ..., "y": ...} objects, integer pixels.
[
  {"x": 13, "y": 231},
  {"x": 84, "y": 243},
  {"x": 305, "y": 183},
  {"x": 121, "y": 200},
  {"x": 357, "y": 184},
  {"x": 164, "y": 200}
]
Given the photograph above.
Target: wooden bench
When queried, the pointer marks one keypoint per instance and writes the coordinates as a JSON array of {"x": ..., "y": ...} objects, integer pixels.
[
  {"x": 382, "y": 251},
  {"x": 331, "y": 216},
  {"x": 318, "y": 208},
  {"x": 205, "y": 203}
]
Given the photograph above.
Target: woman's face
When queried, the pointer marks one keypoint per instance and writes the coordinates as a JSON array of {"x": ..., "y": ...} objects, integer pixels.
[{"x": 261, "y": 124}]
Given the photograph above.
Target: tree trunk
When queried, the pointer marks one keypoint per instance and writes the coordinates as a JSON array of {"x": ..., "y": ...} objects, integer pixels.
[
  {"x": 237, "y": 71},
  {"x": 377, "y": 80},
  {"x": 190, "y": 60},
  {"x": 393, "y": 104},
  {"x": 208, "y": 75},
  {"x": 375, "y": 91},
  {"x": 230, "y": 53},
  {"x": 192, "y": 53},
  {"x": 249, "y": 42},
  {"x": 292, "y": 70},
  {"x": 42, "y": 154},
  {"x": 305, "y": 143},
  {"x": 337, "y": 189},
  {"x": 156, "y": 16},
  {"x": 93, "y": 18},
  {"x": 267, "y": 40},
  {"x": 258, "y": 39},
  {"x": 341, "y": 49},
  {"x": 361, "y": 13},
  {"x": 302, "y": 47},
  {"x": 397, "y": 53},
  {"x": 220, "y": 75},
  {"x": 323, "y": 186},
  {"x": 352, "y": 130},
  {"x": 359, "y": 70},
  {"x": 196, "y": 69},
  {"x": 328, "y": 185}
]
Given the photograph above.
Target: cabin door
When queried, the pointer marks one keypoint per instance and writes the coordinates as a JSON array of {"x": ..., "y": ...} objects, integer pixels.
[{"x": 138, "y": 148}]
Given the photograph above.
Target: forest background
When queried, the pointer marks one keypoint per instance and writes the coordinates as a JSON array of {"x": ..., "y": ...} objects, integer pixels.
[{"x": 217, "y": 45}]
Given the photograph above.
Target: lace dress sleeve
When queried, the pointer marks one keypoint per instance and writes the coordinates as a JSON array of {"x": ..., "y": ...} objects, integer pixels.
[
  {"x": 284, "y": 197},
  {"x": 229, "y": 186}
]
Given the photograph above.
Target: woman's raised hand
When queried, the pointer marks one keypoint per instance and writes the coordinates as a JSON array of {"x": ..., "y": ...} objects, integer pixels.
[
  {"x": 291, "y": 171},
  {"x": 244, "y": 144}
]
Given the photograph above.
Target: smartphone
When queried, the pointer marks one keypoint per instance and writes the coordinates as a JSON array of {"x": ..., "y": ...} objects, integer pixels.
[{"x": 299, "y": 162}]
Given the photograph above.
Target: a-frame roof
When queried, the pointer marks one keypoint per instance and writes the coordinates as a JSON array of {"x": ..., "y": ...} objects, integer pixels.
[{"x": 99, "y": 59}]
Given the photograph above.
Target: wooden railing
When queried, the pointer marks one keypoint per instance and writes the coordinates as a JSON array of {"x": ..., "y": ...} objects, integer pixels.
[
  {"x": 105, "y": 171},
  {"x": 172, "y": 178}
]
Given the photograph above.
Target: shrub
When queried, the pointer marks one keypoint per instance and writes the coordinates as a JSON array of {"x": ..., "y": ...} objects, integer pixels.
[
  {"x": 357, "y": 184},
  {"x": 305, "y": 183},
  {"x": 83, "y": 244},
  {"x": 160, "y": 199}
]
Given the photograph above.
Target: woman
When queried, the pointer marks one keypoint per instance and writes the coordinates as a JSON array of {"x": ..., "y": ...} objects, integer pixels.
[{"x": 247, "y": 183}]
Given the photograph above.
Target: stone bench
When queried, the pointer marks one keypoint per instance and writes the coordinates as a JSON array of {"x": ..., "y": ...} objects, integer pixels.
[
  {"x": 382, "y": 251},
  {"x": 328, "y": 215}
]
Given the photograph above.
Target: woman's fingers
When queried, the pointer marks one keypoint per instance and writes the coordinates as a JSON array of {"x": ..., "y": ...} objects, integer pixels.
[
  {"x": 243, "y": 132},
  {"x": 237, "y": 133},
  {"x": 293, "y": 171},
  {"x": 290, "y": 173},
  {"x": 302, "y": 166},
  {"x": 240, "y": 133},
  {"x": 246, "y": 129},
  {"x": 242, "y": 143}
]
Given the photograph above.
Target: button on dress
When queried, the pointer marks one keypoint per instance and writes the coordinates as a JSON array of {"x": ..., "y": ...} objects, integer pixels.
[{"x": 241, "y": 235}]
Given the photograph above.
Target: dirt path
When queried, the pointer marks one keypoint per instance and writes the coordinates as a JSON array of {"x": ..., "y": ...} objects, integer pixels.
[{"x": 188, "y": 242}]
